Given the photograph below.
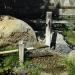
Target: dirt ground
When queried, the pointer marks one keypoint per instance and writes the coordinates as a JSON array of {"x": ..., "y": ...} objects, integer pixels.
[{"x": 51, "y": 65}]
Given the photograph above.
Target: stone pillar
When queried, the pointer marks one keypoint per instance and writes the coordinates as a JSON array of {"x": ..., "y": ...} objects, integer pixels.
[
  {"x": 21, "y": 52},
  {"x": 48, "y": 30}
]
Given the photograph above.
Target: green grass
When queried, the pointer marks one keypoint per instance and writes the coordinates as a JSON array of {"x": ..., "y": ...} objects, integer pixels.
[
  {"x": 7, "y": 48},
  {"x": 70, "y": 37},
  {"x": 11, "y": 62},
  {"x": 70, "y": 66},
  {"x": 30, "y": 68},
  {"x": 33, "y": 69}
]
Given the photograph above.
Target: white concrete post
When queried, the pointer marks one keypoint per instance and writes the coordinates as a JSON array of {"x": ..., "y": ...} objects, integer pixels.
[
  {"x": 21, "y": 52},
  {"x": 48, "y": 30}
]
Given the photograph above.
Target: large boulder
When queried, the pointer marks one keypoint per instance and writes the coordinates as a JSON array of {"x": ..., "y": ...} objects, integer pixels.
[{"x": 13, "y": 30}]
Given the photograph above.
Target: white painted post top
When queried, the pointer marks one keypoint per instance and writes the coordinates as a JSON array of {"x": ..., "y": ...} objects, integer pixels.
[
  {"x": 21, "y": 42},
  {"x": 48, "y": 16}
]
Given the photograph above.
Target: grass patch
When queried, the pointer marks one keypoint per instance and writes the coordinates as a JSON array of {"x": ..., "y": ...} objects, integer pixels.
[
  {"x": 11, "y": 62},
  {"x": 70, "y": 37},
  {"x": 8, "y": 62},
  {"x": 7, "y": 48},
  {"x": 70, "y": 66},
  {"x": 28, "y": 68},
  {"x": 32, "y": 68}
]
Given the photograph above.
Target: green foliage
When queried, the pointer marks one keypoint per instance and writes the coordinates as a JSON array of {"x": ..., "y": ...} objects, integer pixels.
[
  {"x": 65, "y": 33},
  {"x": 70, "y": 66},
  {"x": 33, "y": 69},
  {"x": 9, "y": 62},
  {"x": 70, "y": 36},
  {"x": 71, "y": 17},
  {"x": 7, "y": 48}
]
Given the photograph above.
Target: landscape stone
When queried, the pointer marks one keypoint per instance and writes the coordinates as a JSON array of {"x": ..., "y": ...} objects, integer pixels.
[{"x": 13, "y": 30}]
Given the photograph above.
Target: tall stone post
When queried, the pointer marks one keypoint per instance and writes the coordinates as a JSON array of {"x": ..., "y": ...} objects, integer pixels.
[
  {"x": 48, "y": 28},
  {"x": 21, "y": 52}
]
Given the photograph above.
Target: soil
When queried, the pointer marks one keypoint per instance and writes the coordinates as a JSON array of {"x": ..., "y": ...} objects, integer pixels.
[{"x": 51, "y": 64}]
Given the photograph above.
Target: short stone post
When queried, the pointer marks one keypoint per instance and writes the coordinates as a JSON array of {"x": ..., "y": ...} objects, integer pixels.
[
  {"x": 21, "y": 52},
  {"x": 48, "y": 30}
]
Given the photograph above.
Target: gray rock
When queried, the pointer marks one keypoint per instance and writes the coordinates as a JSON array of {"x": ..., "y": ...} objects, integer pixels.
[{"x": 61, "y": 45}]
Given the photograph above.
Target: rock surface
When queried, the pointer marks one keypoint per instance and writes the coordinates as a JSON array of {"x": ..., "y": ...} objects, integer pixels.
[
  {"x": 61, "y": 45},
  {"x": 13, "y": 30}
]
